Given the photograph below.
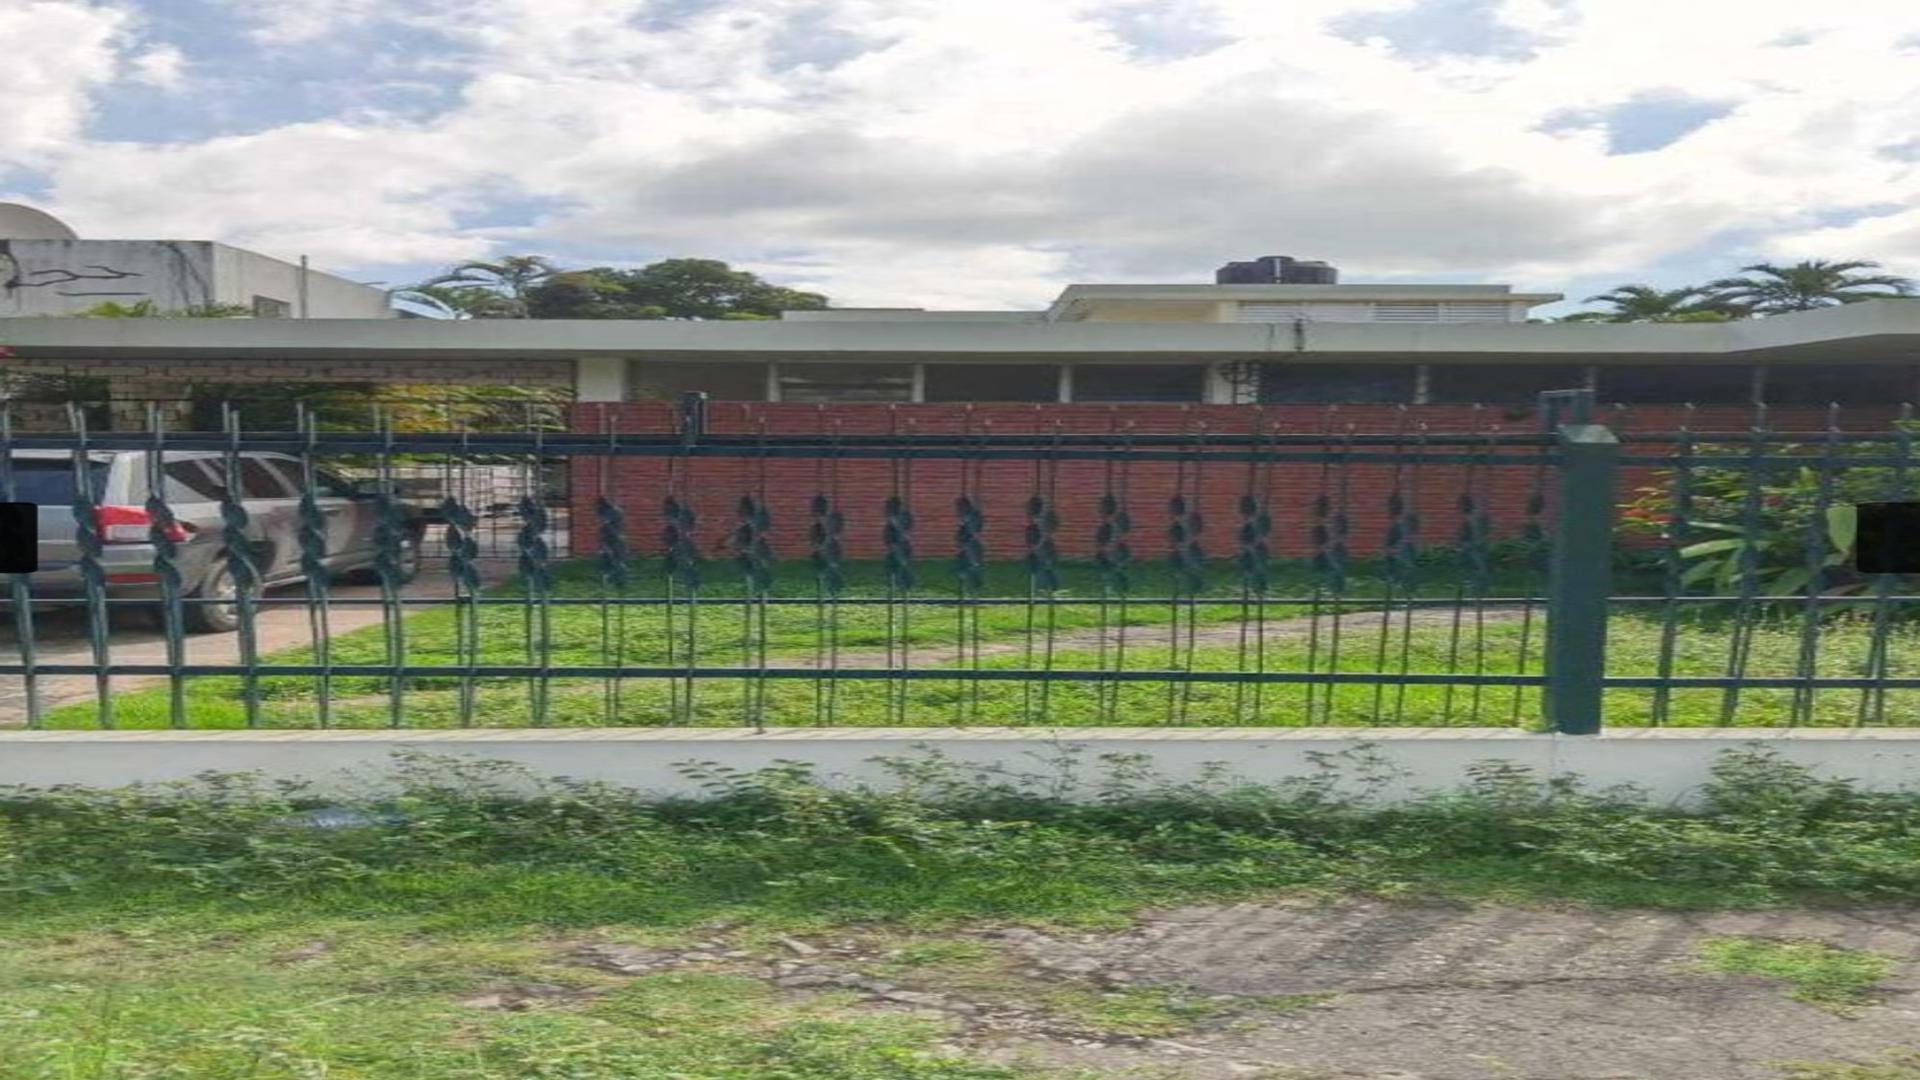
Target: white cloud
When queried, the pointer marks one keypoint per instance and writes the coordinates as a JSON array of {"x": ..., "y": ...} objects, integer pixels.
[
  {"x": 162, "y": 67},
  {"x": 290, "y": 22},
  {"x": 341, "y": 193},
  {"x": 57, "y": 52},
  {"x": 1894, "y": 236},
  {"x": 925, "y": 152}
]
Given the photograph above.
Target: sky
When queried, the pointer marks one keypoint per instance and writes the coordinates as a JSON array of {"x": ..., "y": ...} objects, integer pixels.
[{"x": 982, "y": 154}]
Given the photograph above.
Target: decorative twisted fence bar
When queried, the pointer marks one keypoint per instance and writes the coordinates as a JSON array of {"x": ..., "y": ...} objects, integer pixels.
[{"x": 1556, "y": 570}]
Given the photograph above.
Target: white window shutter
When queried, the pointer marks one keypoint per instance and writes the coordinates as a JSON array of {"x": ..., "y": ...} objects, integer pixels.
[
  {"x": 1263, "y": 311},
  {"x": 1474, "y": 311},
  {"x": 1406, "y": 311}
]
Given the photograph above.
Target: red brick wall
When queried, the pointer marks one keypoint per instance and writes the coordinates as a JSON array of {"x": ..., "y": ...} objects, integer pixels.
[{"x": 714, "y": 486}]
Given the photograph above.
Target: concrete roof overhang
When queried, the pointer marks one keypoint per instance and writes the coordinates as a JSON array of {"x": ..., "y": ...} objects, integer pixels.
[
  {"x": 1885, "y": 331},
  {"x": 1075, "y": 300}
]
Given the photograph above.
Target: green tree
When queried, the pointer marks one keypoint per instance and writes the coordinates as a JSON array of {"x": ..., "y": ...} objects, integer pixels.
[
  {"x": 511, "y": 278},
  {"x": 1768, "y": 289},
  {"x": 599, "y": 293},
  {"x": 1646, "y": 303},
  {"x": 669, "y": 289},
  {"x": 147, "y": 309}
]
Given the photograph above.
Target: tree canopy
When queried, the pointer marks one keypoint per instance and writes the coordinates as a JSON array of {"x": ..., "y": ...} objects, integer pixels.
[
  {"x": 1768, "y": 289},
  {"x": 1762, "y": 289},
  {"x": 487, "y": 289},
  {"x": 1645, "y": 303},
  {"x": 529, "y": 286}
]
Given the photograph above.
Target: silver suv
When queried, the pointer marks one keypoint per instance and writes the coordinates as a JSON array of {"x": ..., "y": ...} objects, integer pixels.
[{"x": 269, "y": 486}]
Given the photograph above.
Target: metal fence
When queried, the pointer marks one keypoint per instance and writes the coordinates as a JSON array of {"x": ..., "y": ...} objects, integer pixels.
[{"x": 1549, "y": 573}]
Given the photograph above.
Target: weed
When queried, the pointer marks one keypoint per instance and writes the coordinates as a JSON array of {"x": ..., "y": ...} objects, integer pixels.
[
  {"x": 1820, "y": 974},
  {"x": 1899, "y": 1067}
]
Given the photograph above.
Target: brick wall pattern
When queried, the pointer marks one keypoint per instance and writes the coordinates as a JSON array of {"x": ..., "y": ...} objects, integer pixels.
[{"x": 1003, "y": 488}]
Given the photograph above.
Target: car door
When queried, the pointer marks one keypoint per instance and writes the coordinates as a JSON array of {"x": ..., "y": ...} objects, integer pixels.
[
  {"x": 271, "y": 498},
  {"x": 349, "y": 521}
]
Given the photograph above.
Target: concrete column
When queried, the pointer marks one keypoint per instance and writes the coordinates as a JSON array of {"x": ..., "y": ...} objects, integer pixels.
[
  {"x": 600, "y": 378},
  {"x": 1066, "y": 383},
  {"x": 1218, "y": 388},
  {"x": 919, "y": 393}
]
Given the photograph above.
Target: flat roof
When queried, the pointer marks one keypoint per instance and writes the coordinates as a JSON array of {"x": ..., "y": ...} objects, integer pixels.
[
  {"x": 1075, "y": 298},
  {"x": 1877, "y": 331}
]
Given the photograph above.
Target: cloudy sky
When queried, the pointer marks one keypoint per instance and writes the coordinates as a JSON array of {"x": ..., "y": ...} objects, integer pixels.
[{"x": 981, "y": 153}]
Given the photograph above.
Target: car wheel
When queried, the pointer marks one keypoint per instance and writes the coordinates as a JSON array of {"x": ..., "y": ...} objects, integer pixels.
[{"x": 219, "y": 617}]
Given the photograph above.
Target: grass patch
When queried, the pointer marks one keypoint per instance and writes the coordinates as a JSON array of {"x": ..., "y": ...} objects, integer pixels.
[
  {"x": 941, "y": 954},
  {"x": 186, "y": 931},
  {"x": 1489, "y": 638},
  {"x": 486, "y": 844},
  {"x": 99, "y": 1007},
  {"x": 1900, "y": 1067},
  {"x": 1160, "y": 1012},
  {"x": 1819, "y": 974}
]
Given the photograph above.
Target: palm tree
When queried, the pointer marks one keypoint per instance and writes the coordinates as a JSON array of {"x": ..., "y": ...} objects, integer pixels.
[
  {"x": 1645, "y": 303},
  {"x": 461, "y": 301},
  {"x": 510, "y": 277},
  {"x": 1768, "y": 289}
]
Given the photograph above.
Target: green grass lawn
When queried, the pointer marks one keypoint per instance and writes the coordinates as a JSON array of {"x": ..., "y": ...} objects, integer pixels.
[
  {"x": 187, "y": 932},
  {"x": 1486, "y": 637}
]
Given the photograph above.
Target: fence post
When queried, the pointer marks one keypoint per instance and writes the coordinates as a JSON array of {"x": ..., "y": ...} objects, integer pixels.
[
  {"x": 1580, "y": 578},
  {"x": 693, "y": 415}
]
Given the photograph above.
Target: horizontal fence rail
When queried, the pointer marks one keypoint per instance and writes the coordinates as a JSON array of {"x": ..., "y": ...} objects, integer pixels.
[{"x": 647, "y": 564}]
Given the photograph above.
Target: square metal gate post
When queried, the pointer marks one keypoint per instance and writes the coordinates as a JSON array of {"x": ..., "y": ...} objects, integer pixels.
[{"x": 1580, "y": 578}]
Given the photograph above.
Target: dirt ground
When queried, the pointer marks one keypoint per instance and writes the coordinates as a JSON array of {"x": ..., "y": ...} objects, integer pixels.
[{"x": 1364, "y": 989}]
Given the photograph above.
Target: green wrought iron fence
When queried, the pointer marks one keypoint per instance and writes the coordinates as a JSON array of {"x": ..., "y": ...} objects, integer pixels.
[{"x": 1281, "y": 572}]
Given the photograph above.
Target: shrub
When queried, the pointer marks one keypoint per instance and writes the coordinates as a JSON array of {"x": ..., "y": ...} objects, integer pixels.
[
  {"x": 1776, "y": 529},
  {"x": 975, "y": 840}
]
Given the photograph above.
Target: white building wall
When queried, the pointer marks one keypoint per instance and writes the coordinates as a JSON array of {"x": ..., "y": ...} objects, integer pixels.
[
  {"x": 66, "y": 277},
  {"x": 242, "y": 275}
]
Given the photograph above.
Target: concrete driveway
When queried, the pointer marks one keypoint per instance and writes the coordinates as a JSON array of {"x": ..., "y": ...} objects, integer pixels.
[{"x": 60, "y": 637}]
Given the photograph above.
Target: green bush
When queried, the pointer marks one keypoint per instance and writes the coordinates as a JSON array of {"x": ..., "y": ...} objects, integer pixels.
[
  {"x": 1768, "y": 830},
  {"x": 1776, "y": 529}
]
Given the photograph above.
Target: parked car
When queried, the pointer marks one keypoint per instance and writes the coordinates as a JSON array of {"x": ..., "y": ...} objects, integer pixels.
[{"x": 270, "y": 486}]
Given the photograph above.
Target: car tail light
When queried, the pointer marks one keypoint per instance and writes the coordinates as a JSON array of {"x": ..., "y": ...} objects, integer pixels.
[{"x": 133, "y": 525}]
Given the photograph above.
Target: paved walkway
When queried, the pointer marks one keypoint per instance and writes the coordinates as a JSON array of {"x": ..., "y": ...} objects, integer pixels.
[
  {"x": 61, "y": 638},
  {"x": 1423, "y": 992}
]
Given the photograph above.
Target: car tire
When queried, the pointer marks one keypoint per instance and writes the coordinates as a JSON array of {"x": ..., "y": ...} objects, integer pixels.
[{"x": 215, "y": 618}]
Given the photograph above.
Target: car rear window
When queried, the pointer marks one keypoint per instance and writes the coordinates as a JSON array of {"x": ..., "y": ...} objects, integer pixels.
[{"x": 49, "y": 482}]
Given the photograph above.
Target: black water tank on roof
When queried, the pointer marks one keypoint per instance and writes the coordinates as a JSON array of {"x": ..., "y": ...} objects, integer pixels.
[
  {"x": 1309, "y": 273},
  {"x": 1276, "y": 270}
]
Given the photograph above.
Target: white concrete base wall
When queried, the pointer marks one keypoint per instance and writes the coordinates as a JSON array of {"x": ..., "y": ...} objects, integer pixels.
[{"x": 1669, "y": 765}]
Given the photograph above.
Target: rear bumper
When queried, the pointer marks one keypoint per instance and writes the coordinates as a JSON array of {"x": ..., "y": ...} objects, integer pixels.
[{"x": 131, "y": 565}]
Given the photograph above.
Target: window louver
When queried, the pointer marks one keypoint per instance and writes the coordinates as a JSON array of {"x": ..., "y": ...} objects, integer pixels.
[
  {"x": 1406, "y": 311},
  {"x": 1467, "y": 311},
  {"x": 1271, "y": 311}
]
